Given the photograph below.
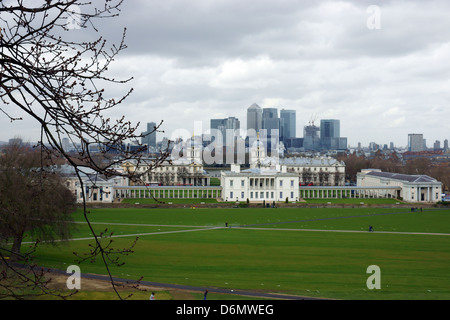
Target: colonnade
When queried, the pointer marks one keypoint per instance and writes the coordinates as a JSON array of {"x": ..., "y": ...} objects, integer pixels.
[
  {"x": 348, "y": 192},
  {"x": 167, "y": 192}
]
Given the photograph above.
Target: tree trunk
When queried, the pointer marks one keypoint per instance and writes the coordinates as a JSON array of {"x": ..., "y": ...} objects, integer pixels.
[{"x": 15, "y": 255}]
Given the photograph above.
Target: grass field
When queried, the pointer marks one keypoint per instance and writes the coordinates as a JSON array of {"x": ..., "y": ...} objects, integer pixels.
[{"x": 317, "y": 252}]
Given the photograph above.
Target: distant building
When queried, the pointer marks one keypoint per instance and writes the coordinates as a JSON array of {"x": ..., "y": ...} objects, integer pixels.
[
  {"x": 311, "y": 138},
  {"x": 225, "y": 129},
  {"x": 288, "y": 124},
  {"x": 412, "y": 188},
  {"x": 330, "y": 135},
  {"x": 186, "y": 170},
  {"x": 437, "y": 145},
  {"x": 254, "y": 120},
  {"x": 149, "y": 136},
  {"x": 317, "y": 171},
  {"x": 415, "y": 142}
]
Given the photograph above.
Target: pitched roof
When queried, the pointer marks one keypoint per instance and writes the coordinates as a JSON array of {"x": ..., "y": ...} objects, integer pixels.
[{"x": 402, "y": 177}]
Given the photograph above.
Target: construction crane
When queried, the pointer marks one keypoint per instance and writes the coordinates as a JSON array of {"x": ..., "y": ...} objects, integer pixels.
[{"x": 313, "y": 118}]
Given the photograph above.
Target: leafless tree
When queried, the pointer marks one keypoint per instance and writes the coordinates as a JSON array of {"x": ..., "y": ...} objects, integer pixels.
[{"x": 60, "y": 83}]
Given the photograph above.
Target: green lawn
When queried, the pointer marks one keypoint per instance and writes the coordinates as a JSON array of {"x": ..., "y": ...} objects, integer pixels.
[
  {"x": 272, "y": 253},
  {"x": 355, "y": 201},
  {"x": 186, "y": 201}
]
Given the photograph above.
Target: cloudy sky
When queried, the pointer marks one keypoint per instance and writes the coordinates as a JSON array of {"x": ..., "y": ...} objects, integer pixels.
[{"x": 384, "y": 71}]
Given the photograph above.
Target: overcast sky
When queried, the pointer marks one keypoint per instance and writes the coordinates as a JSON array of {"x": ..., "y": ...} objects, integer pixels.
[{"x": 383, "y": 76}]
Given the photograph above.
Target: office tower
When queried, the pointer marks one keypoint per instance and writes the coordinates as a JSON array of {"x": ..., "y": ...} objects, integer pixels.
[
  {"x": 288, "y": 124},
  {"x": 437, "y": 145},
  {"x": 149, "y": 136},
  {"x": 445, "y": 145},
  {"x": 227, "y": 129},
  {"x": 415, "y": 142},
  {"x": 254, "y": 120},
  {"x": 330, "y": 133},
  {"x": 270, "y": 128},
  {"x": 270, "y": 121},
  {"x": 311, "y": 138}
]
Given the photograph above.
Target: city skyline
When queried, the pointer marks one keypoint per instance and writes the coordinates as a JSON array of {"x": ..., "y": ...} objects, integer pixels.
[{"x": 198, "y": 61}]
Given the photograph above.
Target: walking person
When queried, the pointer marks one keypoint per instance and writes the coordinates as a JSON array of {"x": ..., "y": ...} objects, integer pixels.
[
  {"x": 204, "y": 295},
  {"x": 152, "y": 296}
]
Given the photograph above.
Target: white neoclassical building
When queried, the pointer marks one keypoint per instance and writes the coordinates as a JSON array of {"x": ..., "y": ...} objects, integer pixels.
[
  {"x": 412, "y": 188},
  {"x": 317, "y": 171},
  {"x": 181, "y": 171},
  {"x": 259, "y": 184}
]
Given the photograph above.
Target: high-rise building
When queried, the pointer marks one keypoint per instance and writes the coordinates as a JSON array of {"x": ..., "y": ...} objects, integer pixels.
[
  {"x": 330, "y": 132},
  {"x": 270, "y": 121},
  {"x": 254, "y": 119},
  {"x": 227, "y": 129},
  {"x": 415, "y": 142},
  {"x": 149, "y": 136},
  {"x": 288, "y": 124},
  {"x": 437, "y": 145},
  {"x": 445, "y": 145},
  {"x": 311, "y": 138},
  {"x": 270, "y": 127}
]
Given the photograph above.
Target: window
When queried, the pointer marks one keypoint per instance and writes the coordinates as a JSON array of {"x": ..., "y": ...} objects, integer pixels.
[
  {"x": 292, "y": 183},
  {"x": 281, "y": 195},
  {"x": 251, "y": 195},
  {"x": 281, "y": 183},
  {"x": 261, "y": 195},
  {"x": 231, "y": 195},
  {"x": 231, "y": 183},
  {"x": 292, "y": 195},
  {"x": 242, "y": 195},
  {"x": 242, "y": 183},
  {"x": 271, "y": 195}
]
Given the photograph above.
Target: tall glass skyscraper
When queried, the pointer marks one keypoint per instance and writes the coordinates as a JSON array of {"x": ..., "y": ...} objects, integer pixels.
[
  {"x": 270, "y": 120},
  {"x": 254, "y": 119},
  {"x": 288, "y": 124},
  {"x": 330, "y": 132},
  {"x": 149, "y": 138},
  {"x": 227, "y": 128}
]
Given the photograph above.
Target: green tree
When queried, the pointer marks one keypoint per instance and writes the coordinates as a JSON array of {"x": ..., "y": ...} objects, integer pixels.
[
  {"x": 33, "y": 200},
  {"x": 59, "y": 81}
]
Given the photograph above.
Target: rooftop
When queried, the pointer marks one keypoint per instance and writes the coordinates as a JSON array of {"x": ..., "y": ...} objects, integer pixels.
[{"x": 402, "y": 177}]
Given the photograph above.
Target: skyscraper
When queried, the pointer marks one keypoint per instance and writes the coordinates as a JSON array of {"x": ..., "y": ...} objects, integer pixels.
[
  {"x": 270, "y": 120},
  {"x": 415, "y": 142},
  {"x": 288, "y": 124},
  {"x": 254, "y": 119},
  {"x": 149, "y": 137},
  {"x": 330, "y": 132},
  {"x": 270, "y": 127},
  {"x": 311, "y": 138},
  {"x": 227, "y": 129}
]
